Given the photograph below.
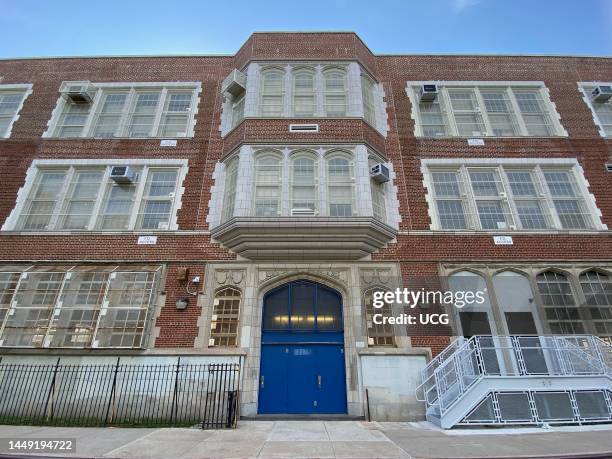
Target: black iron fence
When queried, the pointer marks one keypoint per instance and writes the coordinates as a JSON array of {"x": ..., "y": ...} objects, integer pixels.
[{"x": 180, "y": 394}]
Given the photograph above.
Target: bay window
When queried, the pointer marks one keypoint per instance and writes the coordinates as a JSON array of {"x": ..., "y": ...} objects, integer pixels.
[
  {"x": 340, "y": 185},
  {"x": 268, "y": 179}
]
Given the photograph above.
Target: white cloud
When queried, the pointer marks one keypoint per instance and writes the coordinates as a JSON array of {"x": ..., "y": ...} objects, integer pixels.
[{"x": 460, "y": 5}]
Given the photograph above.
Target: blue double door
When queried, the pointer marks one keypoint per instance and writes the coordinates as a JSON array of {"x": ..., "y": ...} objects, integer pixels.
[{"x": 302, "y": 353}]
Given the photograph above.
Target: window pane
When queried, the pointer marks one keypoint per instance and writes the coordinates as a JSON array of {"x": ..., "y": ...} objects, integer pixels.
[
  {"x": 73, "y": 120},
  {"x": 378, "y": 334},
  {"x": 303, "y": 184},
  {"x": 43, "y": 200},
  {"x": 117, "y": 206},
  {"x": 8, "y": 287},
  {"x": 226, "y": 312},
  {"x": 465, "y": 110},
  {"x": 367, "y": 90},
  {"x": 176, "y": 114},
  {"x": 561, "y": 312},
  {"x": 267, "y": 187},
  {"x": 143, "y": 116},
  {"x": 521, "y": 183},
  {"x": 340, "y": 187},
  {"x": 82, "y": 197},
  {"x": 432, "y": 119},
  {"x": 302, "y": 306},
  {"x": 485, "y": 183},
  {"x": 570, "y": 214},
  {"x": 276, "y": 311},
  {"x": 157, "y": 199},
  {"x": 9, "y": 104},
  {"x": 531, "y": 215},
  {"x": 107, "y": 123},
  {"x": 534, "y": 113},
  {"x": 451, "y": 214},
  {"x": 329, "y": 310},
  {"x": 499, "y": 113},
  {"x": 229, "y": 200},
  {"x": 492, "y": 215}
]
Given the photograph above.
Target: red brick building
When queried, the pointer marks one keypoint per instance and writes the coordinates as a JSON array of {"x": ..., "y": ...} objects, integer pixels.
[{"x": 151, "y": 206}]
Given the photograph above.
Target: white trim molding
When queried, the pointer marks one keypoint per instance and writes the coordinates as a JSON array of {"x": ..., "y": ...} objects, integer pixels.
[
  {"x": 510, "y": 113},
  {"x": 126, "y": 112},
  {"x": 104, "y": 165},
  {"x": 530, "y": 188},
  {"x": 583, "y": 87},
  {"x": 11, "y": 89}
]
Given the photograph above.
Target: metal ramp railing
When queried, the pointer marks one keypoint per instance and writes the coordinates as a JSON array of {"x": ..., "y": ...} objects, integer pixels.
[{"x": 519, "y": 380}]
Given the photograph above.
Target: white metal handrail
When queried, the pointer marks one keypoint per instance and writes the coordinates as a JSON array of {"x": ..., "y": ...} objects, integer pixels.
[{"x": 448, "y": 377}]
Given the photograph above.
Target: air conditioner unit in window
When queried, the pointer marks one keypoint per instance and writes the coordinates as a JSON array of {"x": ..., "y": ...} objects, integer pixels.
[
  {"x": 78, "y": 92},
  {"x": 428, "y": 93},
  {"x": 302, "y": 212},
  {"x": 234, "y": 83},
  {"x": 601, "y": 93},
  {"x": 122, "y": 174},
  {"x": 379, "y": 173}
]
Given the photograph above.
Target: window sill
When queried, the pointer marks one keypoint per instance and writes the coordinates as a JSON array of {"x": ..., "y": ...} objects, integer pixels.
[
  {"x": 118, "y": 138},
  {"x": 102, "y": 233},
  {"x": 451, "y": 137},
  {"x": 441, "y": 232}
]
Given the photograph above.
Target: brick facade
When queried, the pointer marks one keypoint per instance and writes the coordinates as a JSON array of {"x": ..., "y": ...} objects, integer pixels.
[{"x": 418, "y": 250}]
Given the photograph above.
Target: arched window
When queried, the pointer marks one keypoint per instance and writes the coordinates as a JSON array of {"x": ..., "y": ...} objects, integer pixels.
[
  {"x": 268, "y": 180},
  {"x": 340, "y": 185},
  {"x": 379, "y": 204},
  {"x": 229, "y": 198},
  {"x": 597, "y": 288},
  {"x": 378, "y": 334},
  {"x": 226, "y": 311},
  {"x": 367, "y": 94},
  {"x": 562, "y": 313},
  {"x": 272, "y": 92},
  {"x": 335, "y": 92},
  {"x": 303, "y": 93},
  {"x": 303, "y": 184}
]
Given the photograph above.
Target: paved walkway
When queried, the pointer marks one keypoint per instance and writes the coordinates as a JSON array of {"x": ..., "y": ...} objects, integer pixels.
[{"x": 324, "y": 439}]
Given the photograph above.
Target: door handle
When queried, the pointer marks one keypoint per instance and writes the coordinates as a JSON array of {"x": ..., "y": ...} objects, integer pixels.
[
  {"x": 261, "y": 381},
  {"x": 319, "y": 381}
]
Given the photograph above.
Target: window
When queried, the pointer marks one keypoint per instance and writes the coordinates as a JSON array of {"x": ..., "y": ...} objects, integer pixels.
[
  {"x": 238, "y": 111},
  {"x": 304, "y": 170},
  {"x": 508, "y": 196},
  {"x": 11, "y": 101},
  {"x": 272, "y": 92},
  {"x": 485, "y": 109},
  {"x": 335, "y": 92},
  {"x": 378, "y": 334},
  {"x": 231, "y": 181},
  {"x": 340, "y": 183},
  {"x": 597, "y": 288},
  {"x": 304, "y": 102},
  {"x": 136, "y": 110},
  {"x": 80, "y": 308},
  {"x": 367, "y": 93},
  {"x": 602, "y": 111},
  {"x": 267, "y": 185},
  {"x": 561, "y": 311},
  {"x": 83, "y": 197},
  {"x": 226, "y": 312},
  {"x": 379, "y": 201}
]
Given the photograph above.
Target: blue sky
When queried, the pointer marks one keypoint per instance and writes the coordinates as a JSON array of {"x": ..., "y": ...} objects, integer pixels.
[{"x": 71, "y": 27}]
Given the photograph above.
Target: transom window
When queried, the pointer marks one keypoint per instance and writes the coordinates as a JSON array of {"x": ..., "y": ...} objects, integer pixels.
[
  {"x": 11, "y": 100},
  {"x": 509, "y": 196},
  {"x": 86, "y": 198},
  {"x": 78, "y": 309},
  {"x": 485, "y": 110},
  {"x": 602, "y": 110},
  {"x": 138, "y": 110}
]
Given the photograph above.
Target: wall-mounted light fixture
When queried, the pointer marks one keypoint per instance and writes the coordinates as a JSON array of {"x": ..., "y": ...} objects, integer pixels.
[{"x": 182, "y": 303}]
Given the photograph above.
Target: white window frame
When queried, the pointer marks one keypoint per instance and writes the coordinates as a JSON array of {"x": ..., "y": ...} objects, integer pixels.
[
  {"x": 509, "y": 86},
  {"x": 39, "y": 165},
  {"x": 26, "y": 88},
  {"x": 586, "y": 96},
  {"x": 132, "y": 90},
  {"x": 536, "y": 165}
]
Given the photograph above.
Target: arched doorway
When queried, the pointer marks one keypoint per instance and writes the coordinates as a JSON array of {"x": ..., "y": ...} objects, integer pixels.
[{"x": 302, "y": 351}]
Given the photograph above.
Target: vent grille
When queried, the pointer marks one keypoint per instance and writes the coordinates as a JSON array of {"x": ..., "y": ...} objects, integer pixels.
[{"x": 303, "y": 128}]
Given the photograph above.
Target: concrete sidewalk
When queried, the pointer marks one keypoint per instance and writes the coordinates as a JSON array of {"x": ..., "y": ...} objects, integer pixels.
[{"x": 323, "y": 439}]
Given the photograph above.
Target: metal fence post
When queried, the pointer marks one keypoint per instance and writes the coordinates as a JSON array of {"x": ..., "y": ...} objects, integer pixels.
[
  {"x": 111, "y": 397},
  {"x": 175, "y": 396},
  {"x": 49, "y": 408}
]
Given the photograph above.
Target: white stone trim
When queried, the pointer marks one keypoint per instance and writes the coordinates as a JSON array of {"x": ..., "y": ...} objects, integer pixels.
[
  {"x": 195, "y": 86},
  {"x": 587, "y": 100},
  {"x": 27, "y": 90},
  {"x": 11, "y": 222},
  {"x": 571, "y": 164},
  {"x": 559, "y": 130}
]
